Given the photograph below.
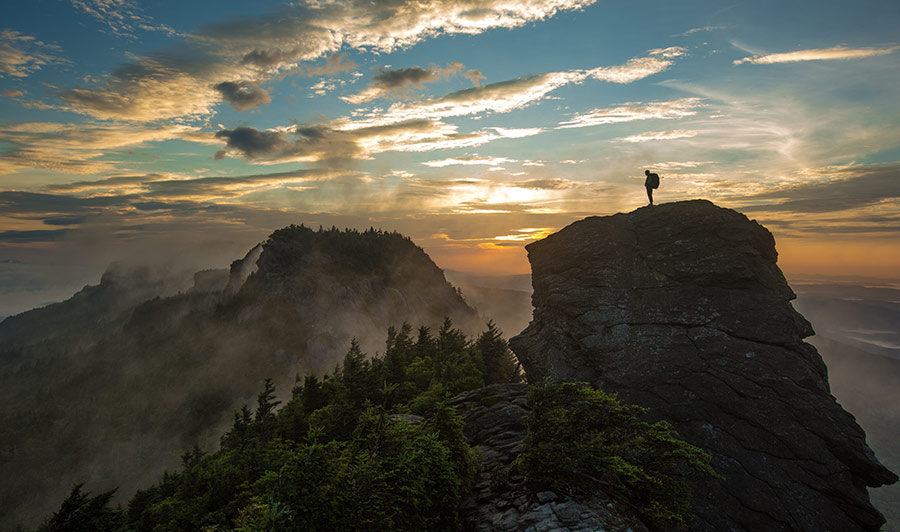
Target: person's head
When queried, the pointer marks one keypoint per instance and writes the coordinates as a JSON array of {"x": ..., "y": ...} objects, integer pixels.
[{"x": 646, "y": 172}]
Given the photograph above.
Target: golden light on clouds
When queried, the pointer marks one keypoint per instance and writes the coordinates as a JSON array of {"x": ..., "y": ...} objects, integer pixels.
[
  {"x": 838, "y": 53},
  {"x": 505, "y": 124}
]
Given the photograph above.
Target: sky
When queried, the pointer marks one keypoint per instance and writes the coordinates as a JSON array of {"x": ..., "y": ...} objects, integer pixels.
[{"x": 185, "y": 132}]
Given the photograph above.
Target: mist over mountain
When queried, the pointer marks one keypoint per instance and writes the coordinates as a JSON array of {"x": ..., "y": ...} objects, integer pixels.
[
  {"x": 858, "y": 334},
  {"x": 112, "y": 385}
]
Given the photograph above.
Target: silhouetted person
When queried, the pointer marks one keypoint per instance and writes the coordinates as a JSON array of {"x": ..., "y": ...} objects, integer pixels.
[{"x": 650, "y": 183}]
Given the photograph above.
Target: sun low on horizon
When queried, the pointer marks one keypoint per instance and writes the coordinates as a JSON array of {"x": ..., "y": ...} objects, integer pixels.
[{"x": 187, "y": 132}]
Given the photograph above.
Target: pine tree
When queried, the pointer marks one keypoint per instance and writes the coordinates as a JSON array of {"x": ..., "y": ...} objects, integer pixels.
[
  {"x": 82, "y": 513},
  {"x": 497, "y": 361},
  {"x": 264, "y": 422}
]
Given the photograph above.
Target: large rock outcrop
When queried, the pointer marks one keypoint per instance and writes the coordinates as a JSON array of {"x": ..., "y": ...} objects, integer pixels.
[{"x": 681, "y": 308}]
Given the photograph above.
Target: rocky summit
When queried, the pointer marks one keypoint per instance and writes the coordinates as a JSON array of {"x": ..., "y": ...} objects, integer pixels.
[{"x": 681, "y": 308}]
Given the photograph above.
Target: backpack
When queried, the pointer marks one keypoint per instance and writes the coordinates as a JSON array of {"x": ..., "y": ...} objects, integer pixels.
[{"x": 654, "y": 180}]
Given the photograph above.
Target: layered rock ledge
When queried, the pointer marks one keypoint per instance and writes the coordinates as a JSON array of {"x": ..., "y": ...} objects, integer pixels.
[{"x": 682, "y": 309}]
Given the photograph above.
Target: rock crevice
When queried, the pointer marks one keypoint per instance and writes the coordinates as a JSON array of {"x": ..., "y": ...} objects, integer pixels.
[{"x": 682, "y": 309}]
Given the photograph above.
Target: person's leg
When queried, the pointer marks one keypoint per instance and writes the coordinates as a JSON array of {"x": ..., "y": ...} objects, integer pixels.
[{"x": 650, "y": 194}]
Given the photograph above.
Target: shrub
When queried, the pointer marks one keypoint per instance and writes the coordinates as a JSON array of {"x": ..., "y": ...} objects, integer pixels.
[{"x": 582, "y": 440}]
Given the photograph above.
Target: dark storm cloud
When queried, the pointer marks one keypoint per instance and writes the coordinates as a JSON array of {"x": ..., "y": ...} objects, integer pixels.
[
  {"x": 242, "y": 95},
  {"x": 848, "y": 188}
]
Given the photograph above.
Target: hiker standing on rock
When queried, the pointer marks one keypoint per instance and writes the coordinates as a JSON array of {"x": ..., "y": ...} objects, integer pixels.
[{"x": 650, "y": 183}]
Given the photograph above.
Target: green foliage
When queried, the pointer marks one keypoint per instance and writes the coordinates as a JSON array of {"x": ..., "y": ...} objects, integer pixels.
[
  {"x": 582, "y": 440},
  {"x": 498, "y": 363},
  {"x": 80, "y": 512},
  {"x": 333, "y": 457}
]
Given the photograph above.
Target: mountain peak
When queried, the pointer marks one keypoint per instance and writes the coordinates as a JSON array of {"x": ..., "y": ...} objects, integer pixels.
[{"x": 681, "y": 308}]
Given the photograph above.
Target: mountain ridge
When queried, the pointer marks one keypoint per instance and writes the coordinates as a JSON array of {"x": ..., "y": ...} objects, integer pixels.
[{"x": 137, "y": 376}]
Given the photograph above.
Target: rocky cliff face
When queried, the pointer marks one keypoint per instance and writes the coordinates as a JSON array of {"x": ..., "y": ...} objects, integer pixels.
[{"x": 681, "y": 308}]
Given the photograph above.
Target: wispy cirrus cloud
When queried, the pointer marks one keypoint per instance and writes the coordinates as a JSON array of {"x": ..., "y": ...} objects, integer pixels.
[
  {"x": 817, "y": 54},
  {"x": 629, "y": 112},
  {"x": 701, "y": 29},
  {"x": 659, "y": 135},
  {"x": 469, "y": 161},
  {"x": 22, "y": 54}
]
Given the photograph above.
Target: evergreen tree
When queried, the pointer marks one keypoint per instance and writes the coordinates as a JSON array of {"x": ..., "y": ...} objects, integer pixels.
[
  {"x": 264, "y": 422},
  {"x": 497, "y": 361},
  {"x": 80, "y": 512}
]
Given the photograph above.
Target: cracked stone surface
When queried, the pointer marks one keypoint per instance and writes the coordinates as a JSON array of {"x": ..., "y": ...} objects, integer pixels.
[
  {"x": 682, "y": 309},
  {"x": 494, "y": 419}
]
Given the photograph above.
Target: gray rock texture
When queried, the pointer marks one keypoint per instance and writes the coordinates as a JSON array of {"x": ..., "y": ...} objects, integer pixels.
[
  {"x": 500, "y": 501},
  {"x": 682, "y": 309}
]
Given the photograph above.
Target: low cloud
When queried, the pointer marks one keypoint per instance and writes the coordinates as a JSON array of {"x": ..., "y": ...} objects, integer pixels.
[
  {"x": 818, "y": 54},
  {"x": 22, "y": 54},
  {"x": 388, "y": 83},
  {"x": 242, "y": 95},
  {"x": 630, "y": 112},
  {"x": 831, "y": 190}
]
